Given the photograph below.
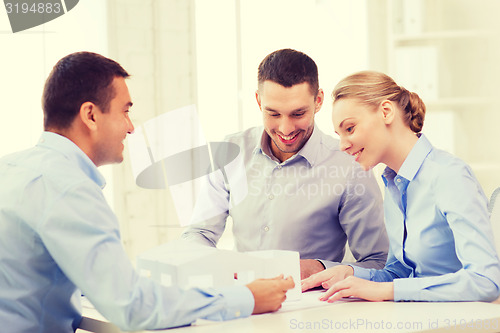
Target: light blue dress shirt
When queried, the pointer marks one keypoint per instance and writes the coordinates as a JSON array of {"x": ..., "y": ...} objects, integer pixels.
[
  {"x": 59, "y": 238},
  {"x": 448, "y": 252},
  {"x": 311, "y": 203}
]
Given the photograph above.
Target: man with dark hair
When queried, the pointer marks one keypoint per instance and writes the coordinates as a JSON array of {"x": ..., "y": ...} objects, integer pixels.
[
  {"x": 289, "y": 67},
  {"x": 64, "y": 93},
  {"x": 58, "y": 236},
  {"x": 299, "y": 191}
]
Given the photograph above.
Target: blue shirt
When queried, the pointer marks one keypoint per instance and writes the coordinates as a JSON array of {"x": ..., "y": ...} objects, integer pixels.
[
  {"x": 447, "y": 249},
  {"x": 312, "y": 203},
  {"x": 59, "y": 238}
]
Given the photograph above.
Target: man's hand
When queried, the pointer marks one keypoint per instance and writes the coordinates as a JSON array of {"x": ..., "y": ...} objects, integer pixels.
[
  {"x": 327, "y": 277},
  {"x": 309, "y": 267},
  {"x": 360, "y": 288},
  {"x": 269, "y": 293}
]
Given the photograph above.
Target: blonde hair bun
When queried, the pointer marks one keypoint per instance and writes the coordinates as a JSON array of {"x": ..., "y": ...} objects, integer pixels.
[{"x": 372, "y": 88}]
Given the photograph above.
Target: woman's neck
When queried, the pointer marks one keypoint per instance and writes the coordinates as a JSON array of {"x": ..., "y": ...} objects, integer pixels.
[{"x": 403, "y": 143}]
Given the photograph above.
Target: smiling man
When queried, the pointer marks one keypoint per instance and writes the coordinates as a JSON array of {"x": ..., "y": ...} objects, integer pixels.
[
  {"x": 58, "y": 236},
  {"x": 300, "y": 192},
  {"x": 288, "y": 114}
]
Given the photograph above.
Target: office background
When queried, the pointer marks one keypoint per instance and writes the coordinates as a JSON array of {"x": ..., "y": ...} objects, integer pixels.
[{"x": 206, "y": 52}]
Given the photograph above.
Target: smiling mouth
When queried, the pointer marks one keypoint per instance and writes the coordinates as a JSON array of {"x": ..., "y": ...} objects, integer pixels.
[
  {"x": 356, "y": 154},
  {"x": 288, "y": 139}
]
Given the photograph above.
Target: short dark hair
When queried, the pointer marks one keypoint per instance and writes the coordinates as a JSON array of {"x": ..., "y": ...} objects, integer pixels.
[
  {"x": 289, "y": 67},
  {"x": 78, "y": 78}
]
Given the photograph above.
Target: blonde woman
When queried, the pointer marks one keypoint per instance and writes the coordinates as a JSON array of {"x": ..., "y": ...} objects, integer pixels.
[{"x": 441, "y": 245}]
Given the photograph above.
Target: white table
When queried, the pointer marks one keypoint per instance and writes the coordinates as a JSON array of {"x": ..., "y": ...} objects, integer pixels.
[{"x": 345, "y": 316}]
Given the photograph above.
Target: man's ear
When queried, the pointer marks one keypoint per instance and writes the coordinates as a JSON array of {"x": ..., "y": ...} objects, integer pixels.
[
  {"x": 88, "y": 112},
  {"x": 388, "y": 111},
  {"x": 320, "y": 97},
  {"x": 257, "y": 97}
]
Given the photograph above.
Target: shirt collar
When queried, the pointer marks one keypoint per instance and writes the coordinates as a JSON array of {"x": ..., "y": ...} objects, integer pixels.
[
  {"x": 413, "y": 161},
  {"x": 72, "y": 152},
  {"x": 309, "y": 151}
]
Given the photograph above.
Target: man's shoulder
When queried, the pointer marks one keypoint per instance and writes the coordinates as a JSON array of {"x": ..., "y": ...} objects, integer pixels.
[
  {"x": 248, "y": 138},
  {"x": 25, "y": 161},
  {"x": 329, "y": 142},
  {"x": 329, "y": 150},
  {"x": 41, "y": 163},
  {"x": 251, "y": 132},
  {"x": 331, "y": 156}
]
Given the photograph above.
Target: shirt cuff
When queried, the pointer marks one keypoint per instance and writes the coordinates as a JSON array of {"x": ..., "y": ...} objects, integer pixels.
[
  {"x": 409, "y": 289},
  {"x": 361, "y": 272},
  {"x": 239, "y": 301},
  {"x": 322, "y": 263},
  {"x": 329, "y": 264}
]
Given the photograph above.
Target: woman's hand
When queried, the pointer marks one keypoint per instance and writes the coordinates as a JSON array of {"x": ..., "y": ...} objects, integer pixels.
[
  {"x": 328, "y": 277},
  {"x": 359, "y": 288}
]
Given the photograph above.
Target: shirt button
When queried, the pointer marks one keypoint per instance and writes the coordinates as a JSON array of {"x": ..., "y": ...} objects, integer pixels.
[
  {"x": 266, "y": 228},
  {"x": 398, "y": 180},
  {"x": 271, "y": 197},
  {"x": 279, "y": 167}
]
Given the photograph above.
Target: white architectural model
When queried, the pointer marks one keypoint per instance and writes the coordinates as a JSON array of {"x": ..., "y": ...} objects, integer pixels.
[{"x": 186, "y": 265}]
